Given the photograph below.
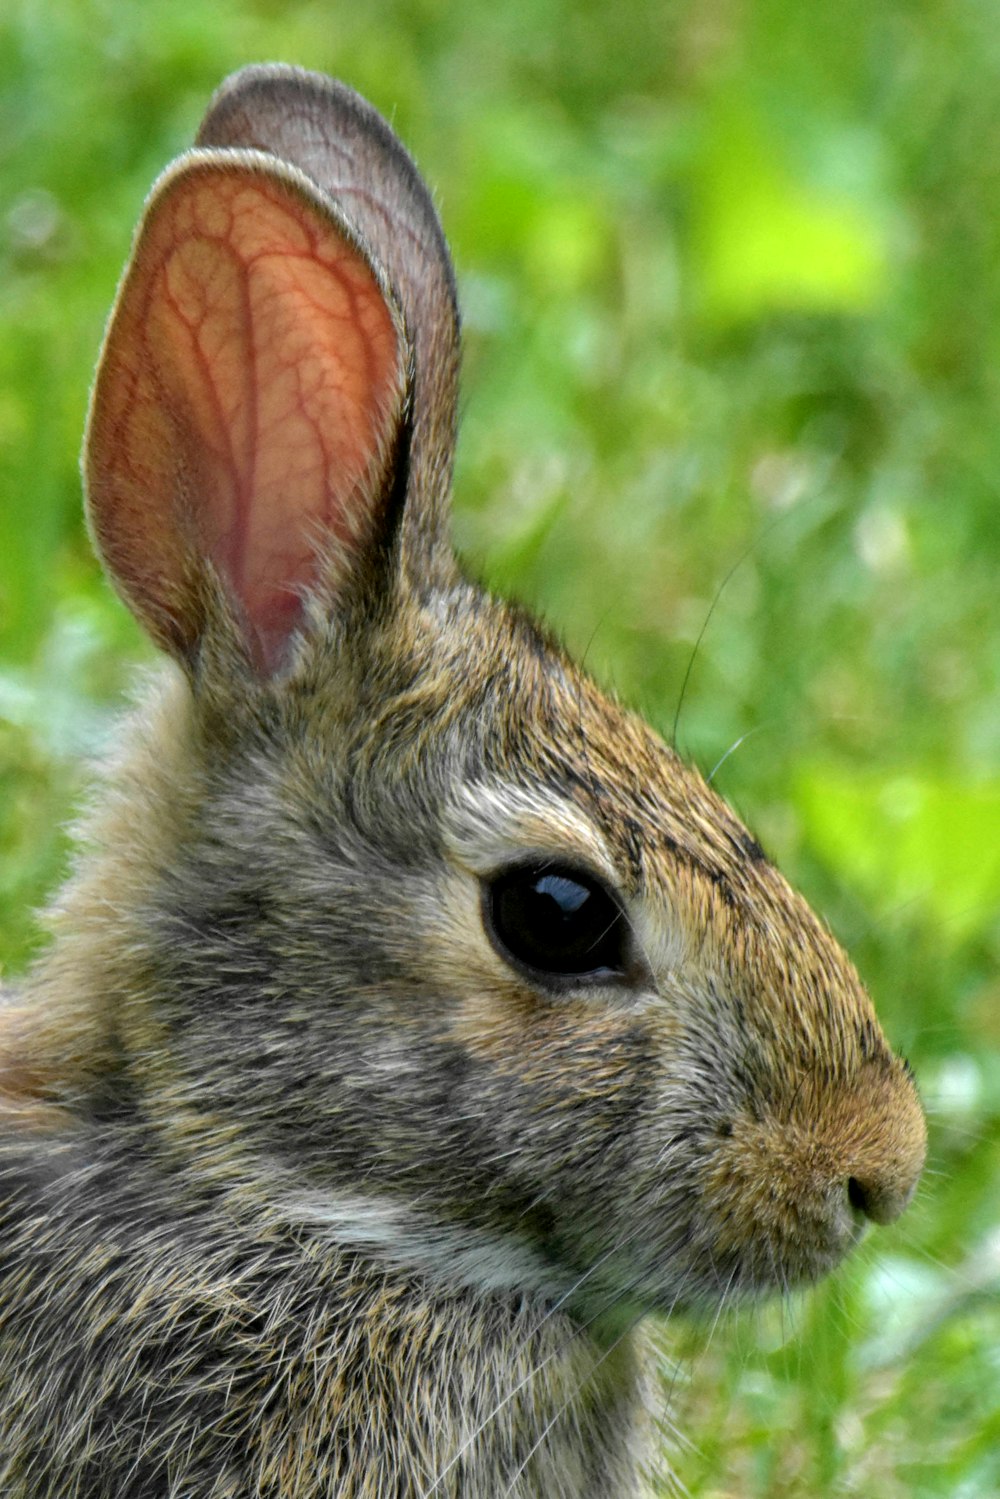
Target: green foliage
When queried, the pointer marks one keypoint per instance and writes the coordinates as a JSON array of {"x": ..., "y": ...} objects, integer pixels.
[
  {"x": 903, "y": 838},
  {"x": 732, "y": 289}
]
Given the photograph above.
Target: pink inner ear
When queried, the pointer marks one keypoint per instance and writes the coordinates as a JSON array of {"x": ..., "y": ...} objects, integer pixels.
[{"x": 247, "y": 397}]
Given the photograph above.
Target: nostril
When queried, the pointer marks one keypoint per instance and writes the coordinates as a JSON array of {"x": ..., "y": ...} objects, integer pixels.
[{"x": 880, "y": 1200}]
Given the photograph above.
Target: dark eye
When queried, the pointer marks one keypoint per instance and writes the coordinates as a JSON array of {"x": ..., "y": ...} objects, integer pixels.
[{"x": 556, "y": 921}]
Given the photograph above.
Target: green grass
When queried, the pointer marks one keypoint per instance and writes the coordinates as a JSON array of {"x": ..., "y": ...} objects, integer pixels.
[{"x": 731, "y": 279}]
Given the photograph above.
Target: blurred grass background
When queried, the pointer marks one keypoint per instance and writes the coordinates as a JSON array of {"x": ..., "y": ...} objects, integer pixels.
[{"x": 731, "y": 279}]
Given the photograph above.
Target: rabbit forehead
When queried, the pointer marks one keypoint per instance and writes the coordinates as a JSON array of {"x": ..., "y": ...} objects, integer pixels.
[
  {"x": 699, "y": 886},
  {"x": 554, "y": 761}
]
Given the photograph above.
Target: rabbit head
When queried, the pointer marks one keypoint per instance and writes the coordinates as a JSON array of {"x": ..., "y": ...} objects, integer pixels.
[{"x": 412, "y": 931}]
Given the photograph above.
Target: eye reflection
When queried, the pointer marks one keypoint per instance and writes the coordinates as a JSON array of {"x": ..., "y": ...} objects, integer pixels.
[{"x": 557, "y": 921}]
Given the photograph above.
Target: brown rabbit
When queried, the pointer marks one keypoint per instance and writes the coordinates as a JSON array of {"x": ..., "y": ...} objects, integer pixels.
[{"x": 415, "y": 1021}]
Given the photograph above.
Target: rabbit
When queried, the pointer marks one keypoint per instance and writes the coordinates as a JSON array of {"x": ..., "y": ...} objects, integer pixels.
[{"x": 415, "y": 1023}]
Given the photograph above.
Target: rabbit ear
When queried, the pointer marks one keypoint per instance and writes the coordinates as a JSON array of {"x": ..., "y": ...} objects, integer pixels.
[
  {"x": 339, "y": 141},
  {"x": 250, "y": 407}
]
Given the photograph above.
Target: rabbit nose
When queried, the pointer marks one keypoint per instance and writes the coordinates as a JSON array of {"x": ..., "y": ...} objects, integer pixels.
[
  {"x": 883, "y": 1144},
  {"x": 881, "y": 1198}
]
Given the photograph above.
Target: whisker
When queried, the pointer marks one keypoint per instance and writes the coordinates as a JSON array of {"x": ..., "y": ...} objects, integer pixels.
[
  {"x": 757, "y": 541},
  {"x": 757, "y": 728},
  {"x": 537, "y": 1368},
  {"x": 626, "y": 1332},
  {"x": 612, "y": 1346},
  {"x": 618, "y": 1296}
]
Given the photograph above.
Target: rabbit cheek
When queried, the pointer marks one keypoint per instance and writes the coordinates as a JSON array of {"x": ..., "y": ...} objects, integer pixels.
[{"x": 569, "y": 1082}]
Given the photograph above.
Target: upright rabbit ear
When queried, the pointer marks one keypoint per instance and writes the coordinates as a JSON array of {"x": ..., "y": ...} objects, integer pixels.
[
  {"x": 339, "y": 141},
  {"x": 250, "y": 410}
]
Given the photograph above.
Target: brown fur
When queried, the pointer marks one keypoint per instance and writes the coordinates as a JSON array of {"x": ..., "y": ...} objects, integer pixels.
[{"x": 307, "y": 1190}]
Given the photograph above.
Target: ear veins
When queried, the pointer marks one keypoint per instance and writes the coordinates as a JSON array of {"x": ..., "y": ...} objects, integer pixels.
[
  {"x": 249, "y": 389},
  {"x": 345, "y": 147}
]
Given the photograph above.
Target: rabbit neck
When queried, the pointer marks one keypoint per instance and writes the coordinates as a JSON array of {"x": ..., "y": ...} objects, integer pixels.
[{"x": 316, "y": 1370}]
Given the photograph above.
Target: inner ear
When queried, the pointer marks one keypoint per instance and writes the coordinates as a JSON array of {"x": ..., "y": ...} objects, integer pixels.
[{"x": 248, "y": 406}]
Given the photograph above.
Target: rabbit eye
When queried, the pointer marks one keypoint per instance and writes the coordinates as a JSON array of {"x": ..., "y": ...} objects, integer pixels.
[{"x": 557, "y": 922}]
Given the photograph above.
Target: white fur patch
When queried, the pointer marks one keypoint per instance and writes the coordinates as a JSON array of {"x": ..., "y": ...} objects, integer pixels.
[
  {"x": 491, "y": 825},
  {"x": 396, "y": 1232}
]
